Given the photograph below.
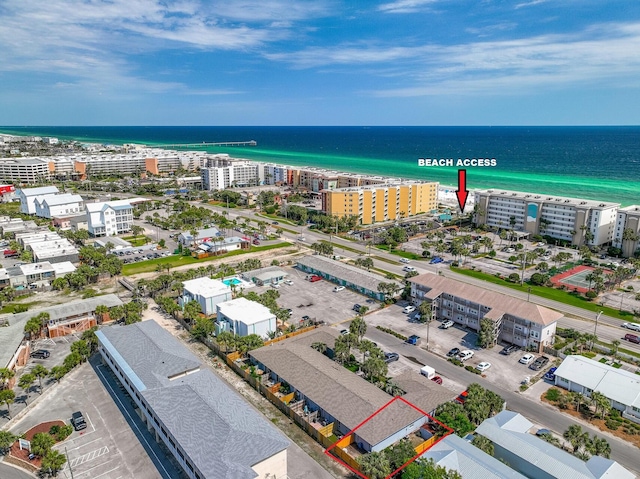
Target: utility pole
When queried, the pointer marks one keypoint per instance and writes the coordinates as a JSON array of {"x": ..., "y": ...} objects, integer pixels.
[{"x": 595, "y": 329}]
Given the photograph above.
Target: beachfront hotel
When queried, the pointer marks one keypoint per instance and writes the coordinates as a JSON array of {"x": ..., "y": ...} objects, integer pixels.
[
  {"x": 581, "y": 222},
  {"x": 628, "y": 220},
  {"x": 375, "y": 203}
]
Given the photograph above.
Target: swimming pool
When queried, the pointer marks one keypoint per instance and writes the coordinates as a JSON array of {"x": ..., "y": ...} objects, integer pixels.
[{"x": 231, "y": 281}]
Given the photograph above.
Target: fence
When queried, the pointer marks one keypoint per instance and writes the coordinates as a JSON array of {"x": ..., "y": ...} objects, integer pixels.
[{"x": 289, "y": 335}]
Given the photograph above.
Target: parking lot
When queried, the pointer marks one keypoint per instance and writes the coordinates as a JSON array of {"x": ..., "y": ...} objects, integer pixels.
[
  {"x": 505, "y": 370},
  {"x": 113, "y": 445},
  {"x": 317, "y": 300}
]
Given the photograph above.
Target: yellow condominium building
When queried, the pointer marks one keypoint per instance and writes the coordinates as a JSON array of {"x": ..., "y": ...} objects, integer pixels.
[{"x": 375, "y": 203}]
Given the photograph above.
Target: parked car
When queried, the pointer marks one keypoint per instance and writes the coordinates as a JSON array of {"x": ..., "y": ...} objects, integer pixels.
[
  {"x": 356, "y": 307},
  {"x": 527, "y": 358},
  {"x": 40, "y": 354},
  {"x": 632, "y": 338},
  {"x": 483, "y": 366},
  {"x": 409, "y": 269},
  {"x": 409, "y": 309},
  {"x": 539, "y": 363},
  {"x": 306, "y": 318},
  {"x": 437, "y": 379},
  {"x": 446, "y": 324},
  {"x": 453, "y": 352},
  {"x": 275, "y": 285},
  {"x": 256, "y": 241},
  {"x": 464, "y": 355},
  {"x": 543, "y": 432},
  {"x": 631, "y": 326},
  {"x": 413, "y": 339},
  {"x": 275, "y": 223},
  {"x": 404, "y": 260},
  {"x": 462, "y": 397},
  {"x": 391, "y": 357},
  {"x": 315, "y": 278},
  {"x": 436, "y": 260},
  {"x": 77, "y": 421},
  {"x": 344, "y": 332},
  {"x": 550, "y": 374},
  {"x": 288, "y": 282},
  {"x": 507, "y": 350},
  {"x": 338, "y": 288}
]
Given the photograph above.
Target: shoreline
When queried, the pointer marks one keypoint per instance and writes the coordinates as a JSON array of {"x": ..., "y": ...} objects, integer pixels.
[{"x": 535, "y": 182}]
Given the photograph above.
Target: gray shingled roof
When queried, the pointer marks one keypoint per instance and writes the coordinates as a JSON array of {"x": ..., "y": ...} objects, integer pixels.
[
  {"x": 220, "y": 433},
  {"x": 341, "y": 393},
  {"x": 351, "y": 274},
  {"x": 499, "y": 303}
]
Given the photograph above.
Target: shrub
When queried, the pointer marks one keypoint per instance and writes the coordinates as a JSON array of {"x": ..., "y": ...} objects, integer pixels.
[
  {"x": 514, "y": 277},
  {"x": 553, "y": 394},
  {"x": 591, "y": 294},
  {"x": 471, "y": 369},
  {"x": 456, "y": 361}
]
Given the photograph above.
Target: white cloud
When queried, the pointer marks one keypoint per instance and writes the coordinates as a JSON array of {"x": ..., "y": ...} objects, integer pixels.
[
  {"x": 601, "y": 52},
  {"x": 405, "y": 6},
  {"x": 530, "y": 3}
]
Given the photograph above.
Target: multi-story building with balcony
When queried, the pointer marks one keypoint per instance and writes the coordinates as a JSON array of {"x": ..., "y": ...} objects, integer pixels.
[
  {"x": 376, "y": 203},
  {"x": 579, "y": 222},
  {"x": 515, "y": 321},
  {"x": 109, "y": 218},
  {"x": 28, "y": 197},
  {"x": 627, "y": 232},
  {"x": 223, "y": 172},
  {"x": 66, "y": 204}
]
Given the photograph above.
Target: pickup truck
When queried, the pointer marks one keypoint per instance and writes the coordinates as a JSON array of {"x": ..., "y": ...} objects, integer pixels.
[{"x": 10, "y": 253}]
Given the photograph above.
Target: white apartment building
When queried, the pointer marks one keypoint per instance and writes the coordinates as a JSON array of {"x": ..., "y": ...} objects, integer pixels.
[
  {"x": 273, "y": 174},
  {"x": 230, "y": 173},
  {"x": 207, "y": 292},
  {"x": 109, "y": 218},
  {"x": 574, "y": 220},
  {"x": 628, "y": 228},
  {"x": 28, "y": 197},
  {"x": 24, "y": 170},
  {"x": 243, "y": 317},
  {"x": 67, "y": 204},
  {"x": 48, "y": 246}
]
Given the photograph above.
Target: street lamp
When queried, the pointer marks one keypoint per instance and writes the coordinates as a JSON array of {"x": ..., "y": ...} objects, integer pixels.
[{"x": 595, "y": 329}]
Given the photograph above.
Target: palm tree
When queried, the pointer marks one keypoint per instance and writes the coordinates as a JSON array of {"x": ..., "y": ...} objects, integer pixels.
[
  {"x": 319, "y": 346},
  {"x": 57, "y": 372},
  {"x": 7, "y": 396},
  {"x": 5, "y": 375},
  {"x": 483, "y": 443},
  {"x": 25, "y": 382},
  {"x": 600, "y": 401},
  {"x": 40, "y": 372},
  {"x": 599, "y": 446},
  {"x": 575, "y": 436},
  {"x": 375, "y": 465},
  {"x": 614, "y": 350},
  {"x": 101, "y": 312},
  {"x": 358, "y": 328}
]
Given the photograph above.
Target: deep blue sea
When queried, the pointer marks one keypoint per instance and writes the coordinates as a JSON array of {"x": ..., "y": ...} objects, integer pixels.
[{"x": 600, "y": 163}]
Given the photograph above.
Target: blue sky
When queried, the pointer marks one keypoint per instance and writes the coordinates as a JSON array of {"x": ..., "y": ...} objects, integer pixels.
[{"x": 319, "y": 62}]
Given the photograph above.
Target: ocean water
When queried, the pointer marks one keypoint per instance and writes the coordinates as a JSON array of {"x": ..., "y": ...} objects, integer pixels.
[{"x": 599, "y": 163}]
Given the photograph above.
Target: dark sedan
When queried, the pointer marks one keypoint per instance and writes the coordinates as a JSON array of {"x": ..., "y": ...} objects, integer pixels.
[
  {"x": 507, "y": 350},
  {"x": 539, "y": 363},
  {"x": 453, "y": 353}
]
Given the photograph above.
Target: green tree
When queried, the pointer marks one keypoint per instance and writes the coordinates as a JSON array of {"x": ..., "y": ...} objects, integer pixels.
[
  {"x": 226, "y": 341},
  {"x": 191, "y": 310},
  {"x": 5, "y": 375},
  {"x": 25, "y": 382},
  {"x": 72, "y": 360},
  {"x": 53, "y": 462},
  {"x": 6, "y": 441},
  {"x": 374, "y": 368},
  {"x": 7, "y": 397},
  {"x": 81, "y": 348},
  {"x": 483, "y": 444},
  {"x": 427, "y": 469},
  {"x": 576, "y": 437},
  {"x": 40, "y": 372},
  {"x": 202, "y": 328},
  {"x": 57, "y": 373},
  {"x": 453, "y": 415},
  {"x": 486, "y": 335},
  {"x": 358, "y": 327},
  {"x": 41, "y": 443},
  {"x": 400, "y": 453},
  {"x": 375, "y": 465},
  {"x": 33, "y": 328},
  {"x": 320, "y": 347}
]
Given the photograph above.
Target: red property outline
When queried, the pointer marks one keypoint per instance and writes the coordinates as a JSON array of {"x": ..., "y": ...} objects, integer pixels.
[{"x": 397, "y": 398}]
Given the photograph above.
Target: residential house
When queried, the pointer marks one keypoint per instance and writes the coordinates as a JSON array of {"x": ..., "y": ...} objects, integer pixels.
[
  {"x": 207, "y": 292},
  {"x": 109, "y": 218},
  {"x": 28, "y": 197},
  {"x": 242, "y": 317}
]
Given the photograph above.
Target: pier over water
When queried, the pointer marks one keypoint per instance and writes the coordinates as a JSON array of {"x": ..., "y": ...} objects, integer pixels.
[{"x": 205, "y": 144}]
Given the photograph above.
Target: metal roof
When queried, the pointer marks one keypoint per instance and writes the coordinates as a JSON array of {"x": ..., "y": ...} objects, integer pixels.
[
  {"x": 43, "y": 190},
  {"x": 219, "y": 432},
  {"x": 59, "y": 199},
  {"x": 508, "y": 432},
  {"x": 617, "y": 384},
  {"x": 455, "y": 453}
]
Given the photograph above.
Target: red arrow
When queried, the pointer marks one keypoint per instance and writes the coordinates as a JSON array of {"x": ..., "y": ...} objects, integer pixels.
[{"x": 462, "y": 191}]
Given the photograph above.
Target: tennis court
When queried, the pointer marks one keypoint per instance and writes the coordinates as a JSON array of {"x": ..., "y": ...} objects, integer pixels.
[{"x": 575, "y": 278}]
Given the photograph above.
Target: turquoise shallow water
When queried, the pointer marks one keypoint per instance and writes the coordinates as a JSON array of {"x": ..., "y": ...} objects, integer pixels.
[{"x": 599, "y": 163}]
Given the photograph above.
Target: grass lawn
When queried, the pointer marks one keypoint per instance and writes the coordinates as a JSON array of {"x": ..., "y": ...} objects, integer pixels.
[
  {"x": 277, "y": 218},
  {"x": 10, "y": 307},
  {"x": 353, "y": 250},
  {"x": 549, "y": 293},
  {"x": 176, "y": 261},
  {"x": 137, "y": 240}
]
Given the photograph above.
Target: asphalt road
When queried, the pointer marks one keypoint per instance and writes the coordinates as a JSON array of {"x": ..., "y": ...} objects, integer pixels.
[
  {"x": 537, "y": 412},
  {"x": 9, "y": 472}
]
